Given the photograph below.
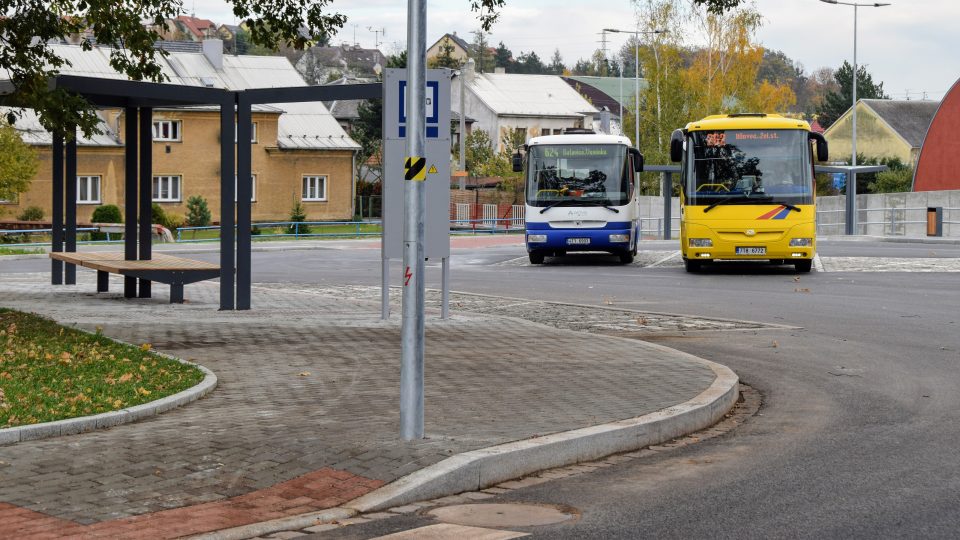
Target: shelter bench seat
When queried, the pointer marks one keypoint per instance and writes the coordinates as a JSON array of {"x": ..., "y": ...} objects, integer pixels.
[{"x": 174, "y": 271}]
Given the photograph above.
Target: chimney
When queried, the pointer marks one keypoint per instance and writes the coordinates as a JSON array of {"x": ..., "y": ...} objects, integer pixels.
[
  {"x": 499, "y": 69},
  {"x": 213, "y": 50},
  {"x": 470, "y": 70},
  {"x": 605, "y": 120}
]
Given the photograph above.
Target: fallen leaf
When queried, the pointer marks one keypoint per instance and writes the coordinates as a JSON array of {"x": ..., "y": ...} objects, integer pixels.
[
  {"x": 775, "y": 344},
  {"x": 146, "y": 347},
  {"x": 125, "y": 377},
  {"x": 801, "y": 290},
  {"x": 304, "y": 373}
]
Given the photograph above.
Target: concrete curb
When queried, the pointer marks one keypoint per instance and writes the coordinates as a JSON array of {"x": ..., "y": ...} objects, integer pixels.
[
  {"x": 486, "y": 467},
  {"x": 483, "y": 468},
  {"x": 73, "y": 426}
]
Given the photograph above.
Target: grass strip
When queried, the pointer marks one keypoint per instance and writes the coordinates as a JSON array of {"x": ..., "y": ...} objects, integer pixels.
[
  {"x": 19, "y": 251},
  {"x": 50, "y": 372}
]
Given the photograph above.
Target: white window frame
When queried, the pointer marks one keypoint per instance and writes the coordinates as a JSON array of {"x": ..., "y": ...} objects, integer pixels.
[
  {"x": 89, "y": 192},
  {"x": 253, "y": 133},
  {"x": 310, "y": 188},
  {"x": 157, "y": 191},
  {"x": 174, "y": 125},
  {"x": 253, "y": 191}
]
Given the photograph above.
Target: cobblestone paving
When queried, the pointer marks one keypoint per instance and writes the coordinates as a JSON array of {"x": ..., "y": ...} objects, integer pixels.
[
  {"x": 310, "y": 382},
  {"x": 878, "y": 264},
  {"x": 597, "y": 320}
]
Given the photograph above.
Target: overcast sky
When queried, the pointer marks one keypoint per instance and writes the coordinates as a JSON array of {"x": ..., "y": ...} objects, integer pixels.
[{"x": 910, "y": 46}]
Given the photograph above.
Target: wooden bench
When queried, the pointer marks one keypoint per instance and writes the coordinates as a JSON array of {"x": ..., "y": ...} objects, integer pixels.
[{"x": 174, "y": 271}]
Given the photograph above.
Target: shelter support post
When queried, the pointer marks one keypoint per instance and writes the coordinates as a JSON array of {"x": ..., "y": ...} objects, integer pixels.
[
  {"x": 146, "y": 194},
  {"x": 71, "y": 205},
  {"x": 131, "y": 129},
  {"x": 56, "y": 266},
  {"x": 851, "y": 209},
  {"x": 227, "y": 207},
  {"x": 667, "y": 203},
  {"x": 244, "y": 196}
]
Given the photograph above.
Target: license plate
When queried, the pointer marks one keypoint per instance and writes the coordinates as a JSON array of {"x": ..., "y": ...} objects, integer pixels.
[
  {"x": 751, "y": 251},
  {"x": 577, "y": 241}
]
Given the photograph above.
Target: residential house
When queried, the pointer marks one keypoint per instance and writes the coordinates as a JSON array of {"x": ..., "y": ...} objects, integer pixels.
[
  {"x": 517, "y": 106},
  {"x": 299, "y": 152},
  {"x": 885, "y": 128},
  {"x": 196, "y": 29},
  {"x": 938, "y": 166},
  {"x": 322, "y": 65},
  {"x": 460, "y": 49}
]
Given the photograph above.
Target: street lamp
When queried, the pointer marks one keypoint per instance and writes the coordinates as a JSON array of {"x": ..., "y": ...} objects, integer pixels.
[
  {"x": 636, "y": 76},
  {"x": 852, "y": 180}
]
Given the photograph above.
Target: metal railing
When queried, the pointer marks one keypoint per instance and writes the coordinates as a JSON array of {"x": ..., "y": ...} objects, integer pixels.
[
  {"x": 486, "y": 226},
  {"x": 27, "y": 232},
  {"x": 657, "y": 229},
  {"x": 894, "y": 224}
]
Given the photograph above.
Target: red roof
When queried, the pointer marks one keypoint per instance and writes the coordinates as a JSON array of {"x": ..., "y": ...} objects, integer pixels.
[{"x": 197, "y": 27}]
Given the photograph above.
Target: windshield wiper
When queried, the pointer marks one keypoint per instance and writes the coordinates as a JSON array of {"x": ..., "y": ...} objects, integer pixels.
[
  {"x": 575, "y": 202},
  {"x": 726, "y": 200},
  {"x": 787, "y": 205}
]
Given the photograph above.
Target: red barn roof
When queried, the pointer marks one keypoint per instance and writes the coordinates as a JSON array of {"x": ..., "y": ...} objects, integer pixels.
[{"x": 939, "y": 164}]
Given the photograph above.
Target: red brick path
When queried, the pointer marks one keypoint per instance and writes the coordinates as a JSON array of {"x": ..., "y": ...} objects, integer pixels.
[{"x": 318, "y": 490}]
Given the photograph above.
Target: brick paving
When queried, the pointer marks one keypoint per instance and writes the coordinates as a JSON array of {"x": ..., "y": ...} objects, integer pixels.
[{"x": 305, "y": 416}]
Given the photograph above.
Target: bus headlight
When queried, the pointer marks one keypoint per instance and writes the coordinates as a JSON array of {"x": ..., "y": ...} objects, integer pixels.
[
  {"x": 801, "y": 242},
  {"x": 620, "y": 238},
  {"x": 536, "y": 238},
  {"x": 700, "y": 242}
]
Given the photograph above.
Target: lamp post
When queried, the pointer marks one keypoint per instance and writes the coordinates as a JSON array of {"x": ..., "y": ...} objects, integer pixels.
[
  {"x": 636, "y": 76},
  {"x": 852, "y": 180}
]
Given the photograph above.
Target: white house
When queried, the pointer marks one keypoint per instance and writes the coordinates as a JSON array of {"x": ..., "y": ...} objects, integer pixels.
[{"x": 509, "y": 105}]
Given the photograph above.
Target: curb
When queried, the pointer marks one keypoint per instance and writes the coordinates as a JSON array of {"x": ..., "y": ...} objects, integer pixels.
[
  {"x": 479, "y": 469},
  {"x": 73, "y": 426}
]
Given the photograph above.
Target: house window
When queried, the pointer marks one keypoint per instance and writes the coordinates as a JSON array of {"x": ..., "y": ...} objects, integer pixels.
[
  {"x": 253, "y": 132},
  {"x": 314, "y": 188},
  {"x": 166, "y": 188},
  {"x": 253, "y": 189},
  {"x": 88, "y": 189},
  {"x": 166, "y": 130}
]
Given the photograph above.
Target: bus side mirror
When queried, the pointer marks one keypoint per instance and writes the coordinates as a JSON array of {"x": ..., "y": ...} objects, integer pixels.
[
  {"x": 822, "y": 152},
  {"x": 676, "y": 146},
  {"x": 517, "y": 162},
  {"x": 637, "y": 160}
]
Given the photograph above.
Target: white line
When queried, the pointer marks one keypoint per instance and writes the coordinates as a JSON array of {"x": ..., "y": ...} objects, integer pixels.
[
  {"x": 817, "y": 263},
  {"x": 665, "y": 259}
]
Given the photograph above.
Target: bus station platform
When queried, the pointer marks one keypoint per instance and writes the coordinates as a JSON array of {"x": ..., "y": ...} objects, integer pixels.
[{"x": 305, "y": 416}]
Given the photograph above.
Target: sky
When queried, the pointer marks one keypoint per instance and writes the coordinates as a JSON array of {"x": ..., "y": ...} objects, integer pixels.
[{"x": 910, "y": 46}]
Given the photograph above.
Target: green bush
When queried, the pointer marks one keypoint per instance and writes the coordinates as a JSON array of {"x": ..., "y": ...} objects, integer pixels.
[
  {"x": 198, "y": 213},
  {"x": 159, "y": 216},
  {"x": 31, "y": 213},
  {"x": 108, "y": 213}
]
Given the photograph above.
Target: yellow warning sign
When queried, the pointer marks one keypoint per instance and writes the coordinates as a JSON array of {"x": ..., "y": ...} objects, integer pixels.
[
  {"x": 415, "y": 168},
  {"x": 433, "y": 169}
]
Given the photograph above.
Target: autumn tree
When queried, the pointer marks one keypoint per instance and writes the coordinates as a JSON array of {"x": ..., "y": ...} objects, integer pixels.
[{"x": 18, "y": 164}]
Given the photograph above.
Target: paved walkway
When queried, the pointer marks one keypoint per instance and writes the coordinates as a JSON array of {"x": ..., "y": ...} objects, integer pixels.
[{"x": 305, "y": 416}]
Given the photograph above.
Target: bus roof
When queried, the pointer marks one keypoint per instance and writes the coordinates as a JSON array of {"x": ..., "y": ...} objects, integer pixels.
[
  {"x": 580, "y": 138},
  {"x": 747, "y": 121}
]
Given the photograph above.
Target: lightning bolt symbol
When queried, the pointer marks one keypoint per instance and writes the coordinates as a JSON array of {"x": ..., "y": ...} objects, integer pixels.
[{"x": 407, "y": 275}]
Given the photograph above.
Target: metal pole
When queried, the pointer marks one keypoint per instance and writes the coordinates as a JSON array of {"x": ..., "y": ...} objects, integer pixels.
[
  {"x": 852, "y": 177},
  {"x": 667, "y": 203},
  {"x": 244, "y": 196},
  {"x": 227, "y": 205},
  {"x": 445, "y": 288},
  {"x": 636, "y": 90},
  {"x": 385, "y": 288},
  {"x": 131, "y": 202},
  {"x": 56, "y": 221},
  {"x": 463, "y": 124},
  {"x": 412, "y": 328},
  {"x": 620, "y": 99},
  {"x": 70, "y": 277},
  {"x": 146, "y": 192}
]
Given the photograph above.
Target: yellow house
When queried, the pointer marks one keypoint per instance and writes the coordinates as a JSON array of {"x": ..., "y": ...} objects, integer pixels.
[
  {"x": 885, "y": 128},
  {"x": 460, "y": 49},
  {"x": 299, "y": 152}
]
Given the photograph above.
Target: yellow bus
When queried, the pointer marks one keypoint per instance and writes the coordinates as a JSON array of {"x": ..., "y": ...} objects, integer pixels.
[{"x": 748, "y": 190}]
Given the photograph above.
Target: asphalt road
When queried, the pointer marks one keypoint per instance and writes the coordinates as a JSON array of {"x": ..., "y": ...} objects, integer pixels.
[{"x": 857, "y": 435}]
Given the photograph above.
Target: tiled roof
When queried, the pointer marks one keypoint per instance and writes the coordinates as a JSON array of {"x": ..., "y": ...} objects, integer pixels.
[
  {"x": 909, "y": 118},
  {"x": 514, "y": 94},
  {"x": 301, "y": 125}
]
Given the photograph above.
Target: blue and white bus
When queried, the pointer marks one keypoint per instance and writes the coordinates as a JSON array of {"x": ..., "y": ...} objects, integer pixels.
[{"x": 581, "y": 195}]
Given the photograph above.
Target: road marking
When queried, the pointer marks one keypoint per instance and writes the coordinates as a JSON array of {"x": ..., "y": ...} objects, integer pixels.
[
  {"x": 447, "y": 531},
  {"x": 817, "y": 263},
  {"x": 665, "y": 259}
]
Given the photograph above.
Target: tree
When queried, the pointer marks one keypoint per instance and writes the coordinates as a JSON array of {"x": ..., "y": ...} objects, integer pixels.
[
  {"x": 485, "y": 61},
  {"x": 503, "y": 57},
  {"x": 528, "y": 63},
  {"x": 28, "y": 28},
  {"x": 368, "y": 131},
  {"x": 445, "y": 58},
  {"x": 198, "y": 213},
  {"x": 18, "y": 164},
  {"x": 836, "y": 103},
  {"x": 556, "y": 66}
]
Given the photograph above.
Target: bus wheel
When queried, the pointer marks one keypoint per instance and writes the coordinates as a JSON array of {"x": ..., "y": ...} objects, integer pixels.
[
  {"x": 626, "y": 257},
  {"x": 536, "y": 257},
  {"x": 691, "y": 265},
  {"x": 803, "y": 265}
]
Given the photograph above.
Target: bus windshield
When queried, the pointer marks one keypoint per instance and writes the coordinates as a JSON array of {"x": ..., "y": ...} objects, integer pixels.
[
  {"x": 749, "y": 167},
  {"x": 578, "y": 175}
]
